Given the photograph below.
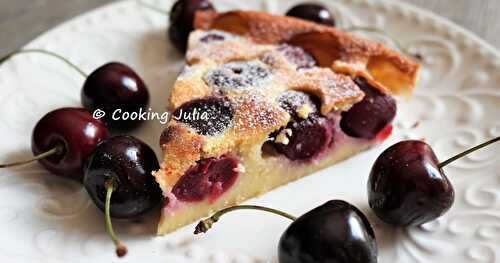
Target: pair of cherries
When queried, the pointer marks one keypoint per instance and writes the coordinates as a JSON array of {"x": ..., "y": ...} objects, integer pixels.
[
  {"x": 183, "y": 11},
  {"x": 71, "y": 143},
  {"x": 115, "y": 171},
  {"x": 406, "y": 187}
]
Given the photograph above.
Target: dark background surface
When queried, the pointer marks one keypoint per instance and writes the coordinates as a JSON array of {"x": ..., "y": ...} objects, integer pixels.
[{"x": 23, "y": 20}]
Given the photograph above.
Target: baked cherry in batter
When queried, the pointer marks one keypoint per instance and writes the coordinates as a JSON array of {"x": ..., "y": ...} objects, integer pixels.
[
  {"x": 209, "y": 178},
  {"x": 367, "y": 118}
]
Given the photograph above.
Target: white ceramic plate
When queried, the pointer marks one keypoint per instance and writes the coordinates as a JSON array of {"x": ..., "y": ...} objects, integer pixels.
[{"x": 47, "y": 219}]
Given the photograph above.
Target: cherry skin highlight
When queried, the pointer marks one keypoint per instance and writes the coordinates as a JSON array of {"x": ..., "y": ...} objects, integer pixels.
[
  {"x": 129, "y": 162},
  {"x": 407, "y": 187},
  {"x": 313, "y": 12},
  {"x": 75, "y": 131},
  {"x": 118, "y": 90},
  {"x": 118, "y": 178},
  {"x": 333, "y": 232}
]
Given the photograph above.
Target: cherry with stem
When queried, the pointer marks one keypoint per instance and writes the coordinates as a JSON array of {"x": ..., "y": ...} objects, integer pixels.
[
  {"x": 117, "y": 177},
  {"x": 121, "y": 249},
  {"x": 407, "y": 185},
  {"x": 59, "y": 149},
  {"x": 62, "y": 140},
  {"x": 333, "y": 232},
  {"x": 59, "y": 140}
]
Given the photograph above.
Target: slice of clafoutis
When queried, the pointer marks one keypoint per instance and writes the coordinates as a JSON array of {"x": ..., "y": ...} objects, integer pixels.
[{"x": 265, "y": 100}]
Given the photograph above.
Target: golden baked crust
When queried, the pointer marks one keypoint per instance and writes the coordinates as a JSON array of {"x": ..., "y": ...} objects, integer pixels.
[
  {"x": 254, "y": 38},
  {"x": 343, "y": 52},
  {"x": 256, "y": 112},
  {"x": 265, "y": 59}
]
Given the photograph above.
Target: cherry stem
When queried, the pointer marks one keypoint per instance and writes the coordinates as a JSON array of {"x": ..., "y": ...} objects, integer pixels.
[
  {"x": 46, "y": 52},
  {"x": 204, "y": 225},
  {"x": 153, "y": 8},
  {"x": 398, "y": 44},
  {"x": 121, "y": 249},
  {"x": 473, "y": 149},
  {"x": 59, "y": 149}
]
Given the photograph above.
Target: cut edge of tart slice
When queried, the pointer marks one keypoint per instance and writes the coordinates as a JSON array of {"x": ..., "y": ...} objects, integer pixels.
[{"x": 278, "y": 104}]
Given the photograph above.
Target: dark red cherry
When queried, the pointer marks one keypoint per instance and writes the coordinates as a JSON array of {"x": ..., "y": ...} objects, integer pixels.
[
  {"x": 127, "y": 163},
  {"x": 117, "y": 90},
  {"x": 407, "y": 185},
  {"x": 207, "y": 116},
  {"x": 309, "y": 137},
  {"x": 334, "y": 232},
  {"x": 118, "y": 179},
  {"x": 208, "y": 178},
  {"x": 368, "y": 117},
  {"x": 74, "y": 132},
  {"x": 313, "y": 12},
  {"x": 181, "y": 20}
]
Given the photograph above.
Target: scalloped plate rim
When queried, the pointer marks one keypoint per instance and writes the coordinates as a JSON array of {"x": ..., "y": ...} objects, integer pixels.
[{"x": 462, "y": 33}]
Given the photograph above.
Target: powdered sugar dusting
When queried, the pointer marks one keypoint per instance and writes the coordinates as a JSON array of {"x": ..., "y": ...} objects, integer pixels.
[
  {"x": 292, "y": 101},
  {"x": 239, "y": 76},
  {"x": 257, "y": 114},
  {"x": 224, "y": 51},
  {"x": 189, "y": 71},
  {"x": 297, "y": 56},
  {"x": 336, "y": 91}
]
